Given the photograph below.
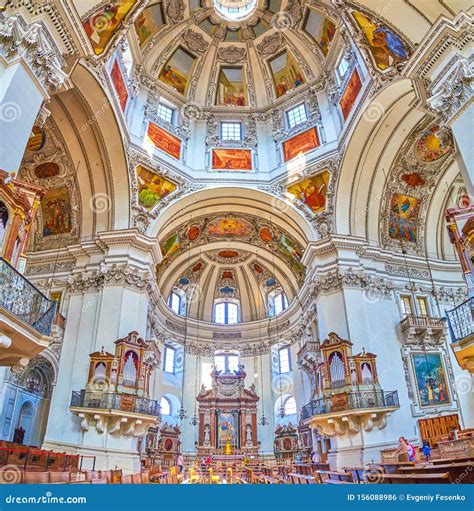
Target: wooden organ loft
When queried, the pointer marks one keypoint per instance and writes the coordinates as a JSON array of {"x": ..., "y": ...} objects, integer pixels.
[
  {"x": 347, "y": 396},
  {"x": 116, "y": 395},
  {"x": 228, "y": 415}
]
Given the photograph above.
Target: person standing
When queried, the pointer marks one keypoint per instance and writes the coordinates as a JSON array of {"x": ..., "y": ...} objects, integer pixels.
[
  {"x": 426, "y": 450},
  {"x": 402, "y": 450},
  {"x": 411, "y": 451},
  {"x": 180, "y": 463}
]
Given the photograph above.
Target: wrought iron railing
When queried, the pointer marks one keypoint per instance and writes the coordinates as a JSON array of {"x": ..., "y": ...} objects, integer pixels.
[
  {"x": 115, "y": 401},
  {"x": 461, "y": 320},
  {"x": 351, "y": 401},
  {"x": 20, "y": 297}
]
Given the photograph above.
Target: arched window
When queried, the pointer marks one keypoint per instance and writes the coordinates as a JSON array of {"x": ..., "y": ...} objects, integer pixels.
[
  {"x": 290, "y": 406},
  {"x": 226, "y": 313},
  {"x": 3, "y": 221},
  {"x": 165, "y": 406},
  {"x": 277, "y": 303},
  {"x": 177, "y": 302},
  {"x": 226, "y": 362}
]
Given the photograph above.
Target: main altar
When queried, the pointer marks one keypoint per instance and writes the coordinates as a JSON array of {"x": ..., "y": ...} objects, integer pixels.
[{"x": 228, "y": 415}]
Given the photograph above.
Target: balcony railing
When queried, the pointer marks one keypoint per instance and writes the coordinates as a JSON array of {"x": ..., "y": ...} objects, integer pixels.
[
  {"x": 460, "y": 319},
  {"x": 115, "y": 401},
  {"x": 20, "y": 297},
  {"x": 352, "y": 401},
  {"x": 411, "y": 321}
]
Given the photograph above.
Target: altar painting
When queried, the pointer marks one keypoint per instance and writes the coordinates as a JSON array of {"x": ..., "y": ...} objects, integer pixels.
[
  {"x": 231, "y": 87},
  {"x": 101, "y": 25},
  {"x": 119, "y": 85},
  {"x": 353, "y": 87},
  {"x": 320, "y": 28},
  {"x": 431, "y": 384},
  {"x": 300, "y": 144},
  {"x": 56, "y": 212},
  {"x": 232, "y": 159},
  {"x": 312, "y": 191},
  {"x": 403, "y": 217},
  {"x": 177, "y": 71},
  {"x": 227, "y": 429},
  {"x": 386, "y": 47},
  {"x": 286, "y": 73},
  {"x": 149, "y": 22},
  {"x": 152, "y": 188},
  {"x": 164, "y": 141}
]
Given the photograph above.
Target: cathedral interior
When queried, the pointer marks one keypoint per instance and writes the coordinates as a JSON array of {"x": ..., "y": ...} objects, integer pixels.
[{"x": 236, "y": 241}]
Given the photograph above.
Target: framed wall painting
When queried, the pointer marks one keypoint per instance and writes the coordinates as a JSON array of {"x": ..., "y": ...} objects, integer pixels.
[
  {"x": 102, "y": 24},
  {"x": 312, "y": 191},
  {"x": 232, "y": 159},
  {"x": 430, "y": 377},
  {"x": 286, "y": 73},
  {"x": 119, "y": 85},
  {"x": 227, "y": 429},
  {"x": 300, "y": 144},
  {"x": 320, "y": 28},
  {"x": 349, "y": 96},
  {"x": 178, "y": 70},
  {"x": 149, "y": 22},
  {"x": 403, "y": 217},
  {"x": 164, "y": 141},
  {"x": 152, "y": 188},
  {"x": 56, "y": 211},
  {"x": 231, "y": 88}
]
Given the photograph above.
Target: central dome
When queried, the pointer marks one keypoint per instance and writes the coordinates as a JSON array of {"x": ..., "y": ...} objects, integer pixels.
[{"x": 235, "y": 10}]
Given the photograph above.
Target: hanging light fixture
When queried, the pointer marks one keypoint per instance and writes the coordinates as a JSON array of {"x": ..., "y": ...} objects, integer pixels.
[
  {"x": 263, "y": 421},
  {"x": 194, "y": 420}
]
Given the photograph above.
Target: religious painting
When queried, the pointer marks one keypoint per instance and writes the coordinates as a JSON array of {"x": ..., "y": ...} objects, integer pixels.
[
  {"x": 286, "y": 73},
  {"x": 227, "y": 429},
  {"x": 403, "y": 217},
  {"x": 232, "y": 159},
  {"x": 320, "y": 28},
  {"x": 164, "y": 141},
  {"x": 56, "y": 211},
  {"x": 433, "y": 144},
  {"x": 101, "y": 25},
  {"x": 386, "y": 47},
  {"x": 300, "y": 144},
  {"x": 228, "y": 254},
  {"x": 170, "y": 245},
  {"x": 152, "y": 187},
  {"x": 45, "y": 170},
  {"x": 431, "y": 384},
  {"x": 312, "y": 191},
  {"x": 413, "y": 179},
  {"x": 149, "y": 22},
  {"x": 348, "y": 98},
  {"x": 265, "y": 234},
  {"x": 231, "y": 87},
  {"x": 36, "y": 140},
  {"x": 288, "y": 248},
  {"x": 193, "y": 233},
  {"x": 119, "y": 85},
  {"x": 177, "y": 71},
  {"x": 229, "y": 227}
]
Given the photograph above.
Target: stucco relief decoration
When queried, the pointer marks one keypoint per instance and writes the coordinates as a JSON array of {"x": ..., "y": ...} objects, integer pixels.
[
  {"x": 411, "y": 180},
  {"x": 57, "y": 220},
  {"x": 245, "y": 228},
  {"x": 194, "y": 41},
  {"x": 231, "y": 54},
  {"x": 270, "y": 44},
  {"x": 175, "y": 10}
]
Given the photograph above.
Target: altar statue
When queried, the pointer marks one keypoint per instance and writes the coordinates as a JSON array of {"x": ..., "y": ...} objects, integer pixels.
[{"x": 227, "y": 448}]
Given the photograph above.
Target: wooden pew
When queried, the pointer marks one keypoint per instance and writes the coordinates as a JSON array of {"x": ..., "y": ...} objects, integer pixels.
[
  {"x": 334, "y": 477},
  {"x": 414, "y": 479},
  {"x": 458, "y": 472}
]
